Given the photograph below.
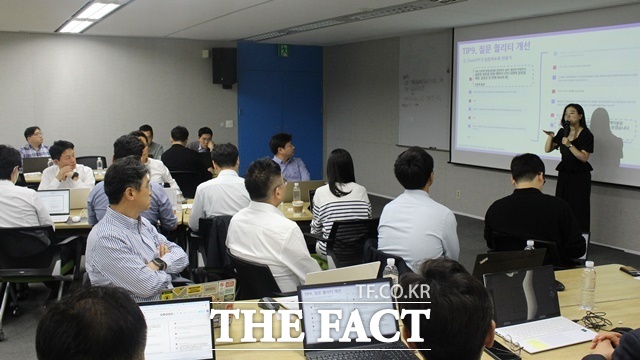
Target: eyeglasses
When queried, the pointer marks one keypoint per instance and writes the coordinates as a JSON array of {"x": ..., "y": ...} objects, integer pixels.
[
  {"x": 513, "y": 346},
  {"x": 37, "y": 134}
]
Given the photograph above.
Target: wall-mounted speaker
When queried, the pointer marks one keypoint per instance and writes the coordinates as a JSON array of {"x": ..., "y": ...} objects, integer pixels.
[{"x": 225, "y": 67}]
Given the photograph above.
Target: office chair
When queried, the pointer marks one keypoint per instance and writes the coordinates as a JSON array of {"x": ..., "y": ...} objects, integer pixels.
[
  {"x": 33, "y": 255},
  {"x": 208, "y": 250},
  {"x": 345, "y": 245},
  {"x": 371, "y": 254},
  {"x": 90, "y": 161},
  {"x": 254, "y": 280},
  {"x": 188, "y": 181}
]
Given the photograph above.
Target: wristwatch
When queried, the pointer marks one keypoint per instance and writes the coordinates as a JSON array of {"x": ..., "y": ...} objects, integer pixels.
[{"x": 160, "y": 263}]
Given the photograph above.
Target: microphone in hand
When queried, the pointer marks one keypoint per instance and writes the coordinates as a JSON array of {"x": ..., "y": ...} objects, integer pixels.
[{"x": 565, "y": 126}]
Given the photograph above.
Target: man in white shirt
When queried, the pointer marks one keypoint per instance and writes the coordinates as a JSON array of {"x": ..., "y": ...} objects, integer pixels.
[
  {"x": 158, "y": 173},
  {"x": 224, "y": 195},
  {"x": 413, "y": 226},
  {"x": 262, "y": 234},
  {"x": 65, "y": 173},
  {"x": 19, "y": 206}
]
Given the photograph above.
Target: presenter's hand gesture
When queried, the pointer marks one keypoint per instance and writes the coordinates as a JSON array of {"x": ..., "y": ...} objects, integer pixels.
[
  {"x": 548, "y": 132},
  {"x": 565, "y": 141}
]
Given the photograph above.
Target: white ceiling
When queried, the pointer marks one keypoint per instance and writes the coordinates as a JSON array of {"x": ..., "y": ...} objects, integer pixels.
[{"x": 231, "y": 20}]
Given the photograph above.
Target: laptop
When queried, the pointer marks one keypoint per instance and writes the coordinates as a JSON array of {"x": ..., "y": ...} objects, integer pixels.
[
  {"x": 305, "y": 186},
  {"x": 179, "y": 329},
  {"x": 349, "y": 273},
  {"x": 57, "y": 203},
  {"x": 349, "y": 296},
  {"x": 78, "y": 198},
  {"x": 502, "y": 261},
  {"x": 172, "y": 194},
  {"x": 527, "y": 311},
  {"x": 36, "y": 164}
]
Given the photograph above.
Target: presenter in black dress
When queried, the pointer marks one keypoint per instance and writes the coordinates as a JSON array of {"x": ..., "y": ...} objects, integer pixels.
[{"x": 575, "y": 142}]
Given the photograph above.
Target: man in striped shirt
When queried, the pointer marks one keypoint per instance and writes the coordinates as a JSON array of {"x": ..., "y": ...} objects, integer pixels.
[
  {"x": 34, "y": 146},
  {"x": 124, "y": 249}
]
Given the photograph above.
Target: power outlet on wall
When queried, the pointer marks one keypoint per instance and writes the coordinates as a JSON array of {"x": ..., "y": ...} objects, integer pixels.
[
  {"x": 229, "y": 123},
  {"x": 457, "y": 194}
]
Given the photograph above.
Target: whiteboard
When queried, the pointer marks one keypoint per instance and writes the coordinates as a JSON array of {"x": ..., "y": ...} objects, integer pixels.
[{"x": 425, "y": 90}]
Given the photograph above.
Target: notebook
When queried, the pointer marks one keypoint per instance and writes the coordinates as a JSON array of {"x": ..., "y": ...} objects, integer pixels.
[
  {"x": 78, "y": 198},
  {"x": 36, "y": 164},
  {"x": 507, "y": 260},
  {"x": 349, "y": 273},
  {"x": 527, "y": 310},
  {"x": 57, "y": 203},
  {"x": 349, "y": 296},
  {"x": 179, "y": 329},
  {"x": 305, "y": 186}
]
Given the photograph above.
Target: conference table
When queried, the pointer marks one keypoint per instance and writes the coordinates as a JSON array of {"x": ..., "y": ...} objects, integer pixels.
[
  {"x": 617, "y": 294},
  {"x": 34, "y": 178}
]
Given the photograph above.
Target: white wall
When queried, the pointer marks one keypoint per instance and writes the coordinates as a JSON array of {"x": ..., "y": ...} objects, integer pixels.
[
  {"x": 90, "y": 90},
  {"x": 361, "y": 115}
]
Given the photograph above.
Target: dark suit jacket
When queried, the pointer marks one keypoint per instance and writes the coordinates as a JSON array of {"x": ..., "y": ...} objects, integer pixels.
[{"x": 179, "y": 158}]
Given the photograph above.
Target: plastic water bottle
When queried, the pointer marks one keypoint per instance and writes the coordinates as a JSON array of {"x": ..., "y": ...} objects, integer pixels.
[
  {"x": 588, "y": 287},
  {"x": 49, "y": 162},
  {"x": 529, "y": 245},
  {"x": 391, "y": 271},
  {"x": 296, "y": 192},
  {"x": 99, "y": 164}
]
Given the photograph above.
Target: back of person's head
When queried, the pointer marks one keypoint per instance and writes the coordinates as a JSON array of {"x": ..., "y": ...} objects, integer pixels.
[
  {"x": 580, "y": 111},
  {"x": 413, "y": 168},
  {"x": 58, "y": 147},
  {"x": 262, "y": 177},
  {"x": 461, "y": 310},
  {"x": 28, "y": 132},
  {"x": 525, "y": 167},
  {"x": 9, "y": 159},
  {"x": 340, "y": 171},
  {"x": 225, "y": 155},
  {"x": 179, "y": 133},
  {"x": 127, "y": 145},
  {"x": 139, "y": 134},
  {"x": 205, "y": 130},
  {"x": 95, "y": 323},
  {"x": 279, "y": 141},
  {"x": 146, "y": 127},
  {"x": 124, "y": 173}
]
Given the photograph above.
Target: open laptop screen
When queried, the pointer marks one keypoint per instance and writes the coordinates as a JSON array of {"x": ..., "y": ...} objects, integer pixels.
[
  {"x": 56, "y": 201},
  {"x": 368, "y": 297},
  {"x": 523, "y": 295},
  {"x": 179, "y": 329}
]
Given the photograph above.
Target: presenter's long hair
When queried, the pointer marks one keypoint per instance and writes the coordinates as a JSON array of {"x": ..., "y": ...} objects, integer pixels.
[
  {"x": 580, "y": 110},
  {"x": 340, "y": 171}
]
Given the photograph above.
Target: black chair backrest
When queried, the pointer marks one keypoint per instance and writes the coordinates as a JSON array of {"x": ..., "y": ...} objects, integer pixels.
[
  {"x": 188, "y": 181},
  {"x": 27, "y": 247},
  {"x": 254, "y": 280},
  {"x": 214, "y": 233},
  {"x": 506, "y": 242},
  {"x": 346, "y": 240},
  {"x": 371, "y": 254},
  {"x": 90, "y": 161}
]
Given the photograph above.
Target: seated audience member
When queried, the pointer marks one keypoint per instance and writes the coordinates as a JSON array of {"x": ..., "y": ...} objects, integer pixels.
[
  {"x": 224, "y": 195},
  {"x": 179, "y": 158},
  {"x": 293, "y": 169},
  {"x": 414, "y": 226},
  {"x": 65, "y": 173},
  {"x": 34, "y": 147},
  {"x": 530, "y": 214},
  {"x": 461, "y": 324},
  {"x": 124, "y": 249},
  {"x": 615, "y": 346},
  {"x": 97, "y": 323},
  {"x": 161, "y": 208},
  {"x": 19, "y": 206},
  {"x": 204, "y": 142},
  {"x": 155, "y": 150},
  {"x": 158, "y": 173},
  {"x": 262, "y": 234},
  {"x": 341, "y": 199}
]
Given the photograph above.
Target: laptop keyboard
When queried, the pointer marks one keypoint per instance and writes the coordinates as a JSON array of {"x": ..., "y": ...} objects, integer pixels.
[
  {"x": 538, "y": 328},
  {"x": 390, "y": 351}
]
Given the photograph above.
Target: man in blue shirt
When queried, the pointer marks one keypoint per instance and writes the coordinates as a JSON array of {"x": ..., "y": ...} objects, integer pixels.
[
  {"x": 34, "y": 146},
  {"x": 293, "y": 169},
  {"x": 161, "y": 208}
]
